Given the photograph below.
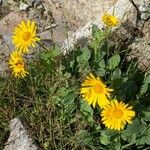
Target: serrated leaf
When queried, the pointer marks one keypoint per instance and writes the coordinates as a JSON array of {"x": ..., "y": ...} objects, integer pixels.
[{"x": 113, "y": 62}]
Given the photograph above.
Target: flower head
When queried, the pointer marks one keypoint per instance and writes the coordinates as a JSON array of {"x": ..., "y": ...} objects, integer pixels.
[
  {"x": 95, "y": 91},
  {"x": 110, "y": 20},
  {"x": 17, "y": 65},
  {"x": 116, "y": 114},
  {"x": 25, "y": 36}
]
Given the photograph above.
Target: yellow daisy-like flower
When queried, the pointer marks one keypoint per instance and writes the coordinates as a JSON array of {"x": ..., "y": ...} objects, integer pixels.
[
  {"x": 94, "y": 91},
  {"x": 25, "y": 36},
  {"x": 110, "y": 20},
  {"x": 17, "y": 65},
  {"x": 116, "y": 114}
]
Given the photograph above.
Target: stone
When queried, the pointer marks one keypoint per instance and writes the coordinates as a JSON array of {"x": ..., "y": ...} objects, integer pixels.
[
  {"x": 8, "y": 23},
  {"x": 70, "y": 15},
  {"x": 23, "y": 6},
  {"x": 121, "y": 8},
  {"x": 19, "y": 138}
]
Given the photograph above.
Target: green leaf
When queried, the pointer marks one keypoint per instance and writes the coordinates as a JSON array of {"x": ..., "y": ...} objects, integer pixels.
[
  {"x": 146, "y": 83},
  {"x": 50, "y": 54},
  {"x": 55, "y": 52},
  {"x": 113, "y": 62},
  {"x": 84, "y": 57},
  {"x": 94, "y": 44},
  {"x": 100, "y": 67},
  {"x": 130, "y": 89},
  {"x": 97, "y": 33},
  {"x": 144, "y": 88},
  {"x": 133, "y": 131},
  {"x": 127, "y": 136},
  {"x": 116, "y": 74},
  {"x": 100, "y": 72},
  {"x": 98, "y": 37},
  {"x": 72, "y": 64},
  {"x": 136, "y": 127},
  {"x": 83, "y": 137},
  {"x": 62, "y": 91},
  {"x": 104, "y": 138},
  {"x": 86, "y": 110},
  {"x": 147, "y": 79},
  {"x": 146, "y": 114},
  {"x": 68, "y": 102},
  {"x": 101, "y": 63},
  {"x": 144, "y": 139}
]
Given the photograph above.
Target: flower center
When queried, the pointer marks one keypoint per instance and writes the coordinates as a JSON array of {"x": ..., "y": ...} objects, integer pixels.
[
  {"x": 19, "y": 65},
  {"x": 109, "y": 20},
  {"x": 98, "y": 88},
  {"x": 26, "y": 36},
  {"x": 117, "y": 113}
]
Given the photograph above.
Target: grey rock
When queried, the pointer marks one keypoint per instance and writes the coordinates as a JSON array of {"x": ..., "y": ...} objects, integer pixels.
[
  {"x": 145, "y": 10},
  {"x": 121, "y": 8},
  {"x": 19, "y": 138},
  {"x": 23, "y": 6},
  {"x": 141, "y": 50},
  {"x": 34, "y": 3}
]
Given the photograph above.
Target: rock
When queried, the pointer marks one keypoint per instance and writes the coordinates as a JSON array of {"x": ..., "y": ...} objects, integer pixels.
[
  {"x": 23, "y": 6},
  {"x": 79, "y": 12},
  {"x": 19, "y": 138},
  {"x": 121, "y": 8},
  {"x": 4, "y": 9},
  {"x": 13, "y": 5},
  {"x": 141, "y": 50},
  {"x": 145, "y": 10},
  {"x": 70, "y": 15},
  {"x": 8, "y": 23},
  {"x": 146, "y": 29}
]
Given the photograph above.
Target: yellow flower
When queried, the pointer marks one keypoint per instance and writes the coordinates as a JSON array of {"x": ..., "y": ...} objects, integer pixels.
[
  {"x": 116, "y": 114},
  {"x": 17, "y": 65},
  {"x": 110, "y": 20},
  {"x": 25, "y": 36},
  {"x": 94, "y": 91}
]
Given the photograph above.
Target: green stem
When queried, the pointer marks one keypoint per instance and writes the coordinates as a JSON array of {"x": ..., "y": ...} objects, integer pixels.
[
  {"x": 42, "y": 46},
  {"x": 127, "y": 145}
]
